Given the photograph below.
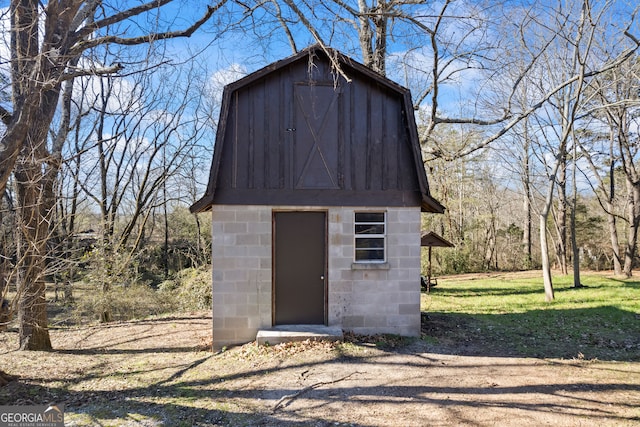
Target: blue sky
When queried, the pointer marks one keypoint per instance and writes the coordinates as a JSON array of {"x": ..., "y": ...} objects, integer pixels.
[{"x": 229, "y": 50}]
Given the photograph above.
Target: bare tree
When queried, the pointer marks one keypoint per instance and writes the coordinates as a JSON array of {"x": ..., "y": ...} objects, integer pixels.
[
  {"x": 144, "y": 136},
  {"x": 46, "y": 44},
  {"x": 7, "y": 256},
  {"x": 613, "y": 114},
  {"x": 568, "y": 105}
]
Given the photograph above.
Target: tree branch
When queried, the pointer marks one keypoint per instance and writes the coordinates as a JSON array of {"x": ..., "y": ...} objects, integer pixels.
[
  {"x": 624, "y": 56},
  {"x": 316, "y": 36},
  {"x": 119, "y": 17},
  {"x": 132, "y": 41},
  {"x": 93, "y": 71},
  {"x": 5, "y": 116}
]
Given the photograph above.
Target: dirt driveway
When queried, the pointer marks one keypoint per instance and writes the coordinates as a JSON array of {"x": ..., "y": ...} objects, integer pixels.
[{"x": 159, "y": 373}]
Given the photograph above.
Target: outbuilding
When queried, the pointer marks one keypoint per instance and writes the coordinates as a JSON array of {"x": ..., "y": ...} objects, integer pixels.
[{"x": 316, "y": 190}]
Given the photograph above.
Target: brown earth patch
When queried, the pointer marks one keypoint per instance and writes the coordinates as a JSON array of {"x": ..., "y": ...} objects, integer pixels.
[{"x": 161, "y": 373}]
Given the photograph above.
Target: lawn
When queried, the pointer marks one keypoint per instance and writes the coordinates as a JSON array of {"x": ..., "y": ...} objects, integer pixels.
[{"x": 506, "y": 314}]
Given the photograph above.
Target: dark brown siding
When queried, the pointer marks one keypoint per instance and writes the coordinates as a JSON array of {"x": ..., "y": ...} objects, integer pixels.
[{"x": 292, "y": 138}]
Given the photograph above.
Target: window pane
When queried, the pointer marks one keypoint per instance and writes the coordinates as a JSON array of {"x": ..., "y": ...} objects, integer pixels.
[
  {"x": 369, "y": 216},
  {"x": 370, "y": 243},
  {"x": 369, "y": 228},
  {"x": 369, "y": 231},
  {"x": 370, "y": 255}
]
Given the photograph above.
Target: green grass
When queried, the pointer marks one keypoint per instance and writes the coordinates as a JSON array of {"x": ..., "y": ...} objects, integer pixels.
[{"x": 507, "y": 315}]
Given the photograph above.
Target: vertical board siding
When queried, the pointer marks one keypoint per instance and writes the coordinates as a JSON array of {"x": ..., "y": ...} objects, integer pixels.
[
  {"x": 234, "y": 152},
  {"x": 360, "y": 136},
  {"x": 341, "y": 140},
  {"x": 242, "y": 142},
  {"x": 266, "y": 121},
  {"x": 280, "y": 132},
  {"x": 252, "y": 115},
  {"x": 361, "y": 141},
  {"x": 367, "y": 143},
  {"x": 393, "y": 119},
  {"x": 376, "y": 139}
]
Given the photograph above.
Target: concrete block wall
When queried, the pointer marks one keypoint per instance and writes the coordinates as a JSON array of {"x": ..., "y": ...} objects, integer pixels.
[
  {"x": 375, "y": 298},
  {"x": 241, "y": 252},
  {"x": 363, "y": 298}
]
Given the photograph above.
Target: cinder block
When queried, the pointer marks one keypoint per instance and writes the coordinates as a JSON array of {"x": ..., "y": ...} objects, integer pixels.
[
  {"x": 235, "y": 323},
  {"x": 220, "y": 287},
  {"x": 352, "y": 321},
  {"x": 412, "y": 286},
  {"x": 259, "y": 228},
  {"x": 409, "y": 308},
  {"x": 247, "y": 239},
  {"x": 222, "y": 215},
  {"x": 234, "y": 251},
  {"x": 375, "y": 320},
  {"x": 221, "y": 263},
  {"x": 224, "y": 335},
  {"x": 235, "y": 227},
  {"x": 235, "y": 276},
  {"x": 248, "y": 215}
]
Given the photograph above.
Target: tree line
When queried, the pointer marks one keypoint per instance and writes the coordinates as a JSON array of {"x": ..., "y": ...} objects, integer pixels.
[{"x": 526, "y": 110}]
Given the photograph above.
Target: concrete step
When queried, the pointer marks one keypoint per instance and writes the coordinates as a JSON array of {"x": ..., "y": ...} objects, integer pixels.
[{"x": 289, "y": 333}]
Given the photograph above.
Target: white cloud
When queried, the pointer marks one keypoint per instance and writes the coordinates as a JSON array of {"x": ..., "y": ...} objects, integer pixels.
[
  {"x": 218, "y": 81},
  {"x": 223, "y": 77}
]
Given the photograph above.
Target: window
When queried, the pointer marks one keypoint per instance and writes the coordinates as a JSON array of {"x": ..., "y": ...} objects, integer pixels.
[{"x": 369, "y": 230}]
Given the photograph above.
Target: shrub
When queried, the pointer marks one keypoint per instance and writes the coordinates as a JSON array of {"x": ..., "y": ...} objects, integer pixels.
[
  {"x": 129, "y": 302},
  {"x": 190, "y": 289}
]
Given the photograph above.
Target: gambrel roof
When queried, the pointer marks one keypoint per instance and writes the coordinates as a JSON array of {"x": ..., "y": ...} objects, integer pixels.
[{"x": 297, "y": 132}]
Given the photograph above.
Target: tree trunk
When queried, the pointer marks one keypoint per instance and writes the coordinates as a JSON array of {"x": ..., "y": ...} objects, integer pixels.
[
  {"x": 490, "y": 247},
  {"x": 615, "y": 244},
  {"x": 5, "y": 315},
  {"x": 561, "y": 248},
  {"x": 525, "y": 178},
  {"x": 633, "y": 214},
  {"x": 34, "y": 230},
  {"x": 544, "y": 254},
  {"x": 576, "y": 250},
  {"x": 611, "y": 218},
  {"x": 574, "y": 203},
  {"x": 372, "y": 34}
]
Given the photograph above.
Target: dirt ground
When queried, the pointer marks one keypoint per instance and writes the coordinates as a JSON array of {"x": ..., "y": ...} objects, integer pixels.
[{"x": 161, "y": 373}]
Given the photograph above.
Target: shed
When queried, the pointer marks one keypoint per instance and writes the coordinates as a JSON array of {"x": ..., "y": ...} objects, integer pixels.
[
  {"x": 316, "y": 190},
  {"x": 431, "y": 240}
]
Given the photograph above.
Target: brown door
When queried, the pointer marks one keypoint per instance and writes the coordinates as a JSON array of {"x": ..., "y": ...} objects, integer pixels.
[{"x": 299, "y": 267}]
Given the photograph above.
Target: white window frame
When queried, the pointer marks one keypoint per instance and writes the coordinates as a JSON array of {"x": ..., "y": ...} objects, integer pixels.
[{"x": 358, "y": 236}]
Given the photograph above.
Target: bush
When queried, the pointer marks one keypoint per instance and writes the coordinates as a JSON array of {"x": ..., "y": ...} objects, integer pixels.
[
  {"x": 129, "y": 302},
  {"x": 452, "y": 262},
  {"x": 190, "y": 289}
]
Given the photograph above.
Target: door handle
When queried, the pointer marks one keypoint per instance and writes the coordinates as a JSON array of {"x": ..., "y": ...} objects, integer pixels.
[{"x": 322, "y": 277}]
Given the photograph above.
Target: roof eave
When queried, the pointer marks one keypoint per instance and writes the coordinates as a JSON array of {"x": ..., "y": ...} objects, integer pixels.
[
  {"x": 203, "y": 205},
  {"x": 431, "y": 205}
]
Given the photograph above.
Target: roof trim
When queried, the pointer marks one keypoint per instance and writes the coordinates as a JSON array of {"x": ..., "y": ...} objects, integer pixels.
[{"x": 434, "y": 240}]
